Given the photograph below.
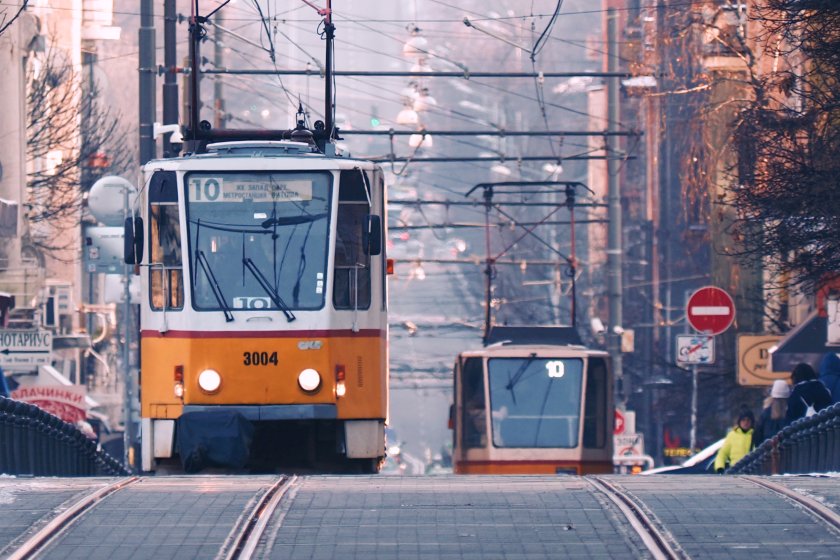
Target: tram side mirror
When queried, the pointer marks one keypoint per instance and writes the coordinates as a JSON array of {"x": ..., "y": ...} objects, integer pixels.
[
  {"x": 451, "y": 417},
  {"x": 133, "y": 240},
  {"x": 372, "y": 235}
]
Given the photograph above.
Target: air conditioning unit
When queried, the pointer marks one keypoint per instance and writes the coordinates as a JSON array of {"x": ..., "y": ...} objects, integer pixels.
[{"x": 58, "y": 304}]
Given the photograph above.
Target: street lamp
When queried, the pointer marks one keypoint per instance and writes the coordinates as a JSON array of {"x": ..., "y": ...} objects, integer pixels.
[
  {"x": 420, "y": 141},
  {"x": 408, "y": 116},
  {"x": 417, "y": 46},
  {"x": 501, "y": 169},
  {"x": 424, "y": 101},
  {"x": 553, "y": 168}
]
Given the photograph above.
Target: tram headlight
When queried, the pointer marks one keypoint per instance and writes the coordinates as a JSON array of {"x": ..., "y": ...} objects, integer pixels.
[
  {"x": 309, "y": 380},
  {"x": 340, "y": 376},
  {"x": 209, "y": 380}
]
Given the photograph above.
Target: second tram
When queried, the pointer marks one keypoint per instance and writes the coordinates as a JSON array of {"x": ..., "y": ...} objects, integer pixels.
[{"x": 533, "y": 401}]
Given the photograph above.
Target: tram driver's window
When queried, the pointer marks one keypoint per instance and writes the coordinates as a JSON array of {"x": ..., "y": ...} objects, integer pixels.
[
  {"x": 474, "y": 416},
  {"x": 165, "y": 266},
  {"x": 595, "y": 417},
  {"x": 351, "y": 281}
]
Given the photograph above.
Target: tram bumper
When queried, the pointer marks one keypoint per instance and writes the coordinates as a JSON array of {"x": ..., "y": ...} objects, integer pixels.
[
  {"x": 261, "y": 413},
  {"x": 219, "y": 438}
]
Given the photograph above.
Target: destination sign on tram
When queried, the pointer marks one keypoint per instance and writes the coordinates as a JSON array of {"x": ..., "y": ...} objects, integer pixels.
[{"x": 221, "y": 189}]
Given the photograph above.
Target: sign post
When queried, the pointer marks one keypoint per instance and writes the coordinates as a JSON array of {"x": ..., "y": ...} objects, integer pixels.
[
  {"x": 25, "y": 349},
  {"x": 710, "y": 310},
  {"x": 695, "y": 349}
]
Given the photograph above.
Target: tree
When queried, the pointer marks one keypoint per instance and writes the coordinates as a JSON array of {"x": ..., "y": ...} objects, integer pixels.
[
  {"x": 7, "y": 19},
  {"x": 70, "y": 135},
  {"x": 787, "y": 135}
]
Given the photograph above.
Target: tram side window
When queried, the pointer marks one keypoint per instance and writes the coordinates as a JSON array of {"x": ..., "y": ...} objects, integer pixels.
[
  {"x": 474, "y": 413},
  {"x": 166, "y": 269},
  {"x": 595, "y": 410},
  {"x": 351, "y": 283}
]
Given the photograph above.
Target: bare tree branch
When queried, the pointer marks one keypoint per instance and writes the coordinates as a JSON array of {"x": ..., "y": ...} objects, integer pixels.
[
  {"x": 72, "y": 139},
  {"x": 4, "y": 24}
]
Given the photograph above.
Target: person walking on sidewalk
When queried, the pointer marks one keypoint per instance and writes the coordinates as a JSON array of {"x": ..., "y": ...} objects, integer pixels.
[
  {"x": 772, "y": 418},
  {"x": 830, "y": 375},
  {"x": 738, "y": 442},
  {"x": 809, "y": 394}
]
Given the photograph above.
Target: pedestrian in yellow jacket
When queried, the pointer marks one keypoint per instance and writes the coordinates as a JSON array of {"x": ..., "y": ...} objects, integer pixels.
[{"x": 738, "y": 442}]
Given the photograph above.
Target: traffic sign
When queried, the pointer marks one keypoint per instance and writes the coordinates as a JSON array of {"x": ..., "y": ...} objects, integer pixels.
[
  {"x": 628, "y": 445},
  {"x": 710, "y": 310},
  {"x": 619, "y": 423},
  {"x": 25, "y": 349},
  {"x": 695, "y": 349}
]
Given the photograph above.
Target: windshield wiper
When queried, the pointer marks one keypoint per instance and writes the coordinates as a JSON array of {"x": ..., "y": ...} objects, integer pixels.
[
  {"x": 292, "y": 220},
  {"x": 214, "y": 285},
  {"x": 512, "y": 381},
  {"x": 272, "y": 293}
]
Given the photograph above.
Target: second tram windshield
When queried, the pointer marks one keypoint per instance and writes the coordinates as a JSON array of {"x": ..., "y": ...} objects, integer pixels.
[
  {"x": 535, "y": 402},
  {"x": 258, "y": 240}
]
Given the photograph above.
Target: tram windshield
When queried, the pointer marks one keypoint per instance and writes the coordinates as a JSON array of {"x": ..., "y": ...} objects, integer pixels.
[
  {"x": 258, "y": 240},
  {"x": 535, "y": 402}
]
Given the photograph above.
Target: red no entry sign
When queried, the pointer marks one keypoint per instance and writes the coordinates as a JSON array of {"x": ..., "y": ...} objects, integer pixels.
[{"x": 710, "y": 310}]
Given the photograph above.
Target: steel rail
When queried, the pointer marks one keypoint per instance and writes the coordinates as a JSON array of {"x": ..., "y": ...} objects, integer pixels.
[
  {"x": 655, "y": 541},
  {"x": 248, "y": 538},
  {"x": 823, "y": 512},
  {"x": 60, "y": 523}
]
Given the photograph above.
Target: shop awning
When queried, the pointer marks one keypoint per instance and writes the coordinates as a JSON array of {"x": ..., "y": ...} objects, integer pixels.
[{"x": 805, "y": 343}]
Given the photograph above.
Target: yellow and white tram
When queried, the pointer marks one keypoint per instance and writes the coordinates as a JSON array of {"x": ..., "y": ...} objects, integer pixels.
[
  {"x": 530, "y": 403},
  {"x": 263, "y": 316}
]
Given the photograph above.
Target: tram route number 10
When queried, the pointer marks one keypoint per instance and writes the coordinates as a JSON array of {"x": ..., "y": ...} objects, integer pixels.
[
  {"x": 206, "y": 189},
  {"x": 259, "y": 358}
]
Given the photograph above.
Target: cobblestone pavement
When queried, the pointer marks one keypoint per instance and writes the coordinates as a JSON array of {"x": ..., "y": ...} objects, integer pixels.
[
  {"x": 28, "y": 504},
  {"x": 825, "y": 490},
  {"x": 448, "y": 517},
  {"x": 729, "y": 517}
]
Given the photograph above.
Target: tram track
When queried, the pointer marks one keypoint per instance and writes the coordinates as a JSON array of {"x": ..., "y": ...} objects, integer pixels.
[
  {"x": 38, "y": 542},
  {"x": 243, "y": 545},
  {"x": 826, "y": 514},
  {"x": 657, "y": 543}
]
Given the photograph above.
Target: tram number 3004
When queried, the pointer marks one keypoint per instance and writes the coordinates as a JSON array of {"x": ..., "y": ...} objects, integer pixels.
[{"x": 259, "y": 358}]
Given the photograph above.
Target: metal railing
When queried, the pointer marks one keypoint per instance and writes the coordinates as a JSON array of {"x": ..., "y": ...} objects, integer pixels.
[
  {"x": 808, "y": 445},
  {"x": 34, "y": 442}
]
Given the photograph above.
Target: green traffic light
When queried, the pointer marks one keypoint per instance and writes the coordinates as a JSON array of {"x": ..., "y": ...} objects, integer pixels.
[{"x": 374, "y": 121}]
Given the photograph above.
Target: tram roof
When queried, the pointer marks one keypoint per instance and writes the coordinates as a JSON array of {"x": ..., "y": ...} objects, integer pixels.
[
  {"x": 261, "y": 150},
  {"x": 536, "y": 335},
  {"x": 522, "y": 341}
]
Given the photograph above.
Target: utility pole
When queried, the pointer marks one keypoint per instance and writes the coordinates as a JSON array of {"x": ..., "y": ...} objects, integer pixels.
[
  {"x": 329, "y": 32},
  {"x": 614, "y": 245},
  {"x": 148, "y": 70},
  {"x": 147, "y": 102},
  {"x": 170, "y": 81},
  {"x": 218, "y": 62}
]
